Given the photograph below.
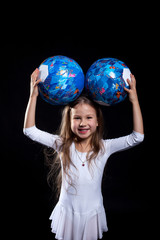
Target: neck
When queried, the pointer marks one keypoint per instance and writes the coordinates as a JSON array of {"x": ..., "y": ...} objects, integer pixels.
[{"x": 83, "y": 145}]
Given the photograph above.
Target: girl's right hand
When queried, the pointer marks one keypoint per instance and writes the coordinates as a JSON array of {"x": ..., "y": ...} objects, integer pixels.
[{"x": 34, "y": 83}]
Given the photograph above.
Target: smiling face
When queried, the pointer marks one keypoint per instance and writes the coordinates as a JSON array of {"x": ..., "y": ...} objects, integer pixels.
[{"x": 83, "y": 121}]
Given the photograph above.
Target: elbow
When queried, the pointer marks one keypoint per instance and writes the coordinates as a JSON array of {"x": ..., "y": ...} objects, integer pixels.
[
  {"x": 138, "y": 137},
  {"x": 24, "y": 131},
  {"x": 141, "y": 139},
  {"x": 29, "y": 131}
]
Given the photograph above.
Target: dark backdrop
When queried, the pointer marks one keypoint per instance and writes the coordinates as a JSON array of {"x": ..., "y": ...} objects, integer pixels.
[{"x": 130, "y": 177}]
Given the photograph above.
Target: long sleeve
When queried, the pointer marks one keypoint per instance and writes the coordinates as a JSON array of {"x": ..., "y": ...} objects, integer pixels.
[
  {"x": 124, "y": 143},
  {"x": 47, "y": 139}
]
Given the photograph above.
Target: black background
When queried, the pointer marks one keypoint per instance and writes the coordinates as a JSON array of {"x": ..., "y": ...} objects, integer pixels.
[{"x": 130, "y": 179}]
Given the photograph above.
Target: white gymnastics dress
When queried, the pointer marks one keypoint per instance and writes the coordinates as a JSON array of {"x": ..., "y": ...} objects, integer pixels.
[{"x": 79, "y": 213}]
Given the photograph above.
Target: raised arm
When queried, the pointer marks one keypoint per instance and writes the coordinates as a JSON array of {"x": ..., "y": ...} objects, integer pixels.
[
  {"x": 133, "y": 97},
  {"x": 29, "y": 119}
]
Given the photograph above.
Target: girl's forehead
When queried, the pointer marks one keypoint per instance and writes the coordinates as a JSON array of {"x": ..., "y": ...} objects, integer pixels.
[{"x": 83, "y": 108}]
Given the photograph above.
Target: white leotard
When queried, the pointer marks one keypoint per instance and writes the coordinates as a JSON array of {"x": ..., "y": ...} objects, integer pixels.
[{"x": 79, "y": 213}]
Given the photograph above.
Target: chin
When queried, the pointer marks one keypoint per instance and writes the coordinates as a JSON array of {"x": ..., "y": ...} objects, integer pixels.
[{"x": 81, "y": 136}]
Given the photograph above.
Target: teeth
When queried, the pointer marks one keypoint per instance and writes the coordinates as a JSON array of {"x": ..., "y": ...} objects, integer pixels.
[{"x": 83, "y": 129}]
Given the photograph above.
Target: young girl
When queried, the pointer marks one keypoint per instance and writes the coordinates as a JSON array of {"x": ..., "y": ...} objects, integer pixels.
[{"x": 79, "y": 213}]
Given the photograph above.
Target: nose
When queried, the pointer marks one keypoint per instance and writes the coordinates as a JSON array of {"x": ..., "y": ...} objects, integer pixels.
[{"x": 83, "y": 123}]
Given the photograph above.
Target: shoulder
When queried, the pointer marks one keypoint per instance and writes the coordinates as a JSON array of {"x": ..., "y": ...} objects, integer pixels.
[
  {"x": 45, "y": 138},
  {"x": 124, "y": 142},
  {"x": 106, "y": 143}
]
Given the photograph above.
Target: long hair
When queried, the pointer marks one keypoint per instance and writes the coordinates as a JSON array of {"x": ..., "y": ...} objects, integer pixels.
[{"x": 67, "y": 136}]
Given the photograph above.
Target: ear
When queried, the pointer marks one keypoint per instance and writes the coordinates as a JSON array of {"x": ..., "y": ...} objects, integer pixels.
[{"x": 97, "y": 124}]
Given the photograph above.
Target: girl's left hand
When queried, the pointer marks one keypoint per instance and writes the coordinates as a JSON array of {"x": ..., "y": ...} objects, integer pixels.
[{"x": 132, "y": 92}]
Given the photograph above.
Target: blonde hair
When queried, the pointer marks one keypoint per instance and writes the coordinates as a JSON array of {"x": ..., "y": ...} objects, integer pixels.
[{"x": 68, "y": 137}]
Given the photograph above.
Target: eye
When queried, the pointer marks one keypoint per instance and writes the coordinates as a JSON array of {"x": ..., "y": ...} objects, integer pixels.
[
  {"x": 76, "y": 117},
  {"x": 89, "y": 117}
]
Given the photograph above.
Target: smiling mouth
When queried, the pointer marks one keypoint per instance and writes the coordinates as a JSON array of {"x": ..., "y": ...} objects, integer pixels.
[{"x": 83, "y": 130}]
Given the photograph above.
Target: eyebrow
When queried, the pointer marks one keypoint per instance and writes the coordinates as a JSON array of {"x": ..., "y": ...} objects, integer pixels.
[{"x": 89, "y": 114}]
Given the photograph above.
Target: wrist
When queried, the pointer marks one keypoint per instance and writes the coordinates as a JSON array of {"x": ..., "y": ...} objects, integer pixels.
[
  {"x": 33, "y": 96},
  {"x": 135, "y": 101}
]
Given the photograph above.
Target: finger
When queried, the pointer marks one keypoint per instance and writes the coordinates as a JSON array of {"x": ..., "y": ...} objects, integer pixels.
[
  {"x": 37, "y": 82},
  {"x": 128, "y": 81},
  {"x": 126, "y": 89},
  {"x": 34, "y": 72},
  {"x": 133, "y": 81},
  {"x": 133, "y": 78},
  {"x": 35, "y": 75}
]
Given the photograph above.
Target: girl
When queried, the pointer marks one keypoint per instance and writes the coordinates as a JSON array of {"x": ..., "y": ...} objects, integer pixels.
[{"x": 82, "y": 153}]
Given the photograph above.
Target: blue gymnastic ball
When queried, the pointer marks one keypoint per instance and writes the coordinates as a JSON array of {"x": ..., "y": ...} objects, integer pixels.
[
  {"x": 105, "y": 81},
  {"x": 62, "y": 80}
]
